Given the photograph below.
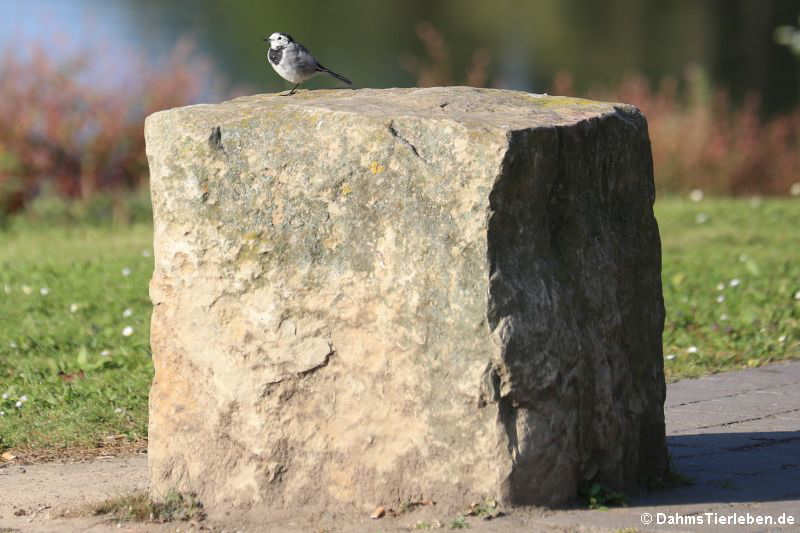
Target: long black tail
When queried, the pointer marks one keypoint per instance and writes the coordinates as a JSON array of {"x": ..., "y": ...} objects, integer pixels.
[{"x": 339, "y": 77}]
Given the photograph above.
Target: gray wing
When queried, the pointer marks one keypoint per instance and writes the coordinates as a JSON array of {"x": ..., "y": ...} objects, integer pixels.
[{"x": 302, "y": 60}]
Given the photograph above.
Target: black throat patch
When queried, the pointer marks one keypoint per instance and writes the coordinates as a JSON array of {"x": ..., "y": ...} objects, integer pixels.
[{"x": 275, "y": 55}]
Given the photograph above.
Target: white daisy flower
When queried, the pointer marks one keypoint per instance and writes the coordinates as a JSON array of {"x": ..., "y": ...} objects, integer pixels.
[
  {"x": 105, "y": 353},
  {"x": 127, "y": 331},
  {"x": 794, "y": 190},
  {"x": 723, "y": 317},
  {"x": 23, "y": 398},
  {"x": 782, "y": 338},
  {"x": 692, "y": 349},
  {"x": 701, "y": 218},
  {"x": 18, "y": 404},
  {"x": 669, "y": 357},
  {"x": 126, "y": 272},
  {"x": 720, "y": 299},
  {"x": 735, "y": 282},
  {"x": 44, "y": 291},
  {"x": 696, "y": 195},
  {"x": 127, "y": 312},
  {"x": 5, "y": 396},
  {"x": 26, "y": 289},
  {"x": 720, "y": 286},
  {"x": 73, "y": 308}
]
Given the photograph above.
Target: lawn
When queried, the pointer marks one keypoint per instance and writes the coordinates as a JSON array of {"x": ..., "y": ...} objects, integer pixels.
[
  {"x": 75, "y": 362},
  {"x": 731, "y": 279}
]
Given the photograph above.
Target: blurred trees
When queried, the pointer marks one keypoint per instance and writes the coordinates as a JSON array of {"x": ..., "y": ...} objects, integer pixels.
[
  {"x": 63, "y": 132},
  {"x": 528, "y": 41}
]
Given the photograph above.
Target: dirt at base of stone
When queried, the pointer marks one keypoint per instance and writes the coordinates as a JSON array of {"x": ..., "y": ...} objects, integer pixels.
[{"x": 57, "y": 498}]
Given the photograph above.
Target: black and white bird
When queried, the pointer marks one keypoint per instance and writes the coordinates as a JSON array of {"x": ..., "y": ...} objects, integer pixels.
[{"x": 293, "y": 62}]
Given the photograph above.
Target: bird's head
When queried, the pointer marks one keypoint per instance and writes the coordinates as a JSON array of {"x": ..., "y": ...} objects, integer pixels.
[{"x": 279, "y": 40}]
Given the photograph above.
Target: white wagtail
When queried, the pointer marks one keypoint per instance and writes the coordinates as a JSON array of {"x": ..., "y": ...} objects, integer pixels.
[{"x": 294, "y": 62}]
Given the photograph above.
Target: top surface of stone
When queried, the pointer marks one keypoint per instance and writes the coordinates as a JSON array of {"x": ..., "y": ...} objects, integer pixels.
[{"x": 473, "y": 107}]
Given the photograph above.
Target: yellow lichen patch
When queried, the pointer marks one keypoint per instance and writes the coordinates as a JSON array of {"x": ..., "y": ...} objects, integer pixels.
[
  {"x": 376, "y": 168},
  {"x": 564, "y": 101},
  {"x": 346, "y": 189},
  {"x": 331, "y": 242}
]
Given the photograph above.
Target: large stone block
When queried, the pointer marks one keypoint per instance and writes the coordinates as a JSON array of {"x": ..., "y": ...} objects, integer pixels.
[{"x": 368, "y": 297}]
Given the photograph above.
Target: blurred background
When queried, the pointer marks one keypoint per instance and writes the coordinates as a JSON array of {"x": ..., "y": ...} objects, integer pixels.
[{"x": 718, "y": 79}]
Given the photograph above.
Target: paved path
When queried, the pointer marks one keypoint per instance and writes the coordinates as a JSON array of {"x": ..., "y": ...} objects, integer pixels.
[{"x": 737, "y": 435}]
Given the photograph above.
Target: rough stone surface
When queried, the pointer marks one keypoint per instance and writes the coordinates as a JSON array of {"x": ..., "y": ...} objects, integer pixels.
[{"x": 381, "y": 296}]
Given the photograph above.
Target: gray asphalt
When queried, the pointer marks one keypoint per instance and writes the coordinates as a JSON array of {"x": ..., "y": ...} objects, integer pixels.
[{"x": 737, "y": 437}]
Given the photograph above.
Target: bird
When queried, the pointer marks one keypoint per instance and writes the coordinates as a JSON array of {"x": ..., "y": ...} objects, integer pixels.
[{"x": 293, "y": 62}]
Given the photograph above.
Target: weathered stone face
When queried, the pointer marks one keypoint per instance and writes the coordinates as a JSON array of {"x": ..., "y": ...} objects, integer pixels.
[{"x": 374, "y": 296}]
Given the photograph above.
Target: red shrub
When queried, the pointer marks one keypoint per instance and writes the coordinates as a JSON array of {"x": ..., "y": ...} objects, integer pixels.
[
  {"x": 701, "y": 140},
  {"x": 61, "y": 124},
  {"x": 435, "y": 70}
]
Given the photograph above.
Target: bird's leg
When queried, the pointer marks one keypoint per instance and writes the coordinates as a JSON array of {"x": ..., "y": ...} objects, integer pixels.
[{"x": 290, "y": 93}]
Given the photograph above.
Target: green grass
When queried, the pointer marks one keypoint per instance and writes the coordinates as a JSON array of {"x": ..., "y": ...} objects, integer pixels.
[
  {"x": 52, "y": 345},
  {"x": 731, "y": 278},
  {"x": 75, "y": 396},
  {"x": 599, "y": 497},
  {"x": 459, "y": 522},
  {"x": 138, "y": 507}
]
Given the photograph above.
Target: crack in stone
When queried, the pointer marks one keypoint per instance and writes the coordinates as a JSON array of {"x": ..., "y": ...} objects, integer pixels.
[
  {"x": 396, "y": 135},
  {"x": 215, "y": 139},
  {"x": 271, "y": 385},
  {"x": 324, "y": 363},
  {"x": 626, "y": 116},
  {"x": 489, "y": 387}
]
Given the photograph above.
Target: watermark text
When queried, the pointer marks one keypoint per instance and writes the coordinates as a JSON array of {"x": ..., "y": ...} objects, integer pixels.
[{"x": 712, "y": 518}]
